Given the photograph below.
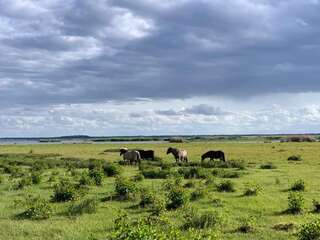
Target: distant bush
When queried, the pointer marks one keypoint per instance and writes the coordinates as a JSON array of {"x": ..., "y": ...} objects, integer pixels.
[
  {"x": 125, "y": 188},
  {"x": 138, "y": 178},
  {"x": 298, "y": 186},
  {"x": 310, "y": 231},
  {"x": 85, "y": 179},
  {"x": 252, "y": 190},
  {"x": 217, "y": 202},
  {"x": 22, "y": 183},
  {"x": 37, "y": 209},
  {"x": 87, "y": 206},
  {"x": 226, "y": 186},
  {"x": 155, "y": 173},
  {"x": 295, "y": 158},
  {"x": 39, "y": 166},
  {"x": 36, "y": 177},
  {"x": 231, "y": 175},
  {"x": 268, "y": 166},
  {"x": 246, "y": 225},
  {"x": 95, "y": 164},
  {"x": 64, "y": 191},
  {"x": 146, "y": 198},
  {"x": 295, "y": 203},
  {"x": 284, "y": 226},
  {"x": 208, "y": 219},
  {"x": 143, "y": 229},
  {"x": 316, "y": 206},
  {"x": 240, "y": 164},
  {"x": 189, "y": 184},
  {"x": 96, "y": 175},
  {"x": 198, "y": 194},
  {"x": 193, "y": 172},
  {"x": 111, "y": 170}
]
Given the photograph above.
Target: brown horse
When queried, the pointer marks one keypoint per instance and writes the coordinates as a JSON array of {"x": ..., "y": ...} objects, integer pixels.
[{"x": 179, "y": 155}]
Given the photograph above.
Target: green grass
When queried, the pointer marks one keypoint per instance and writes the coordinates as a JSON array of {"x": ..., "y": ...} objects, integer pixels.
[{"x": 267, "y": 208}]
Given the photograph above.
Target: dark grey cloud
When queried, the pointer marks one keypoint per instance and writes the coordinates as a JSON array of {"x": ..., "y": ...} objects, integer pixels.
[
  {"x": 200, "y": 109},
  {"x": 79, "y": 51}
]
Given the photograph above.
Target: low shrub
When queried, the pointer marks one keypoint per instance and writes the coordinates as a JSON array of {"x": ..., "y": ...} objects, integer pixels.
[
  {"x": 226, "y": 186},
  {"x": 246, "y": 225},
  {"x": 177, "y": 197},
  {"x": 37, "y": 209},
  {"x": 295, "y": 203},
  {"x": 64, "y": 191},
  {"x": 231, "y": 175},
  {"x": 298, "y": 186},
  {"x": 253, "y": 190},
  {"x": 295, "y": 158},
  {"x": 87, "y": 206},
  {"x": 316, "y": 206},
  {"x": 217, "y": 202},
  {"x": 147, "y": 198},
  {"x": 155, "y": 173},
  {"x": 310, "y": 231},
  {"x": 284, "y": 226},
  {"x": 208, "y": 219},
  {"x": 268, "y": 166},
  {"x": 138, "y": 178},
  {"x": 85, "y": 179},
  {"x": 39, "y": 166},
  {"x": 125, "y": 188},
  {"x": 198, "y": 194},
  {"x": 189, "y": 184},
  {"x": 36, "y": 177},
  {"x": 112, "y": 170},
  {"x": 22, "y": 183},
  {"x": 96, "y": 175},
  {"x": 193, "y": 172}
]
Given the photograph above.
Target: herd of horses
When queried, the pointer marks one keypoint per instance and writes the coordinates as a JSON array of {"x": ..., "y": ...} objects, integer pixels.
[{"x": 180, "y": 155}]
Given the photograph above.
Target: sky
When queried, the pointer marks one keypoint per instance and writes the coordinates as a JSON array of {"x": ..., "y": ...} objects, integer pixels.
[{"x": 150, "y": 67}]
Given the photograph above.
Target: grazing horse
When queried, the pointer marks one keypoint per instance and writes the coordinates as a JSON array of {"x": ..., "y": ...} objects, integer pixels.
[
  {"x": 146, "y": 154},
  {"x": 213, "y": 155},
  {"x": 130, "y": 156},
  {"x": 179, "y": 155}
]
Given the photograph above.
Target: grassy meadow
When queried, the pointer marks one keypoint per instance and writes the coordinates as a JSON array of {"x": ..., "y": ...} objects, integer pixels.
[{"x": 261, "y": 167}]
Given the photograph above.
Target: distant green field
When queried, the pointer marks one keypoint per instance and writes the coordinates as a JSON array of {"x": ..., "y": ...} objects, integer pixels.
[{"x": 266, "y": 210}]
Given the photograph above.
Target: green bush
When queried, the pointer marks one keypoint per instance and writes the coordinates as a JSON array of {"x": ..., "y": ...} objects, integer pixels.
[
  {"x": 143, "y": 229},
  {"x": 36, "y": 177},
  {"x": 310, "y": 231},
  {"x": 231, "y": 175},
  {"x": 147, "y": 198},
  {"x": 198, "y": 194},
  {"x": 177, "y": 197},
  {"x": 125, "y": 188},
  {"x": 39, "y": 166},
  {"x": 295, "y": 203},
  {"x": 295, "y": 158},
  {"x": 64, "y": 191},
  {"x": 268, "y": 166},
  {"x": 96, "y": 175},
  {"x": 85, "y": 179},
  {"x": 217, "y": 202},
  {"x": 189, "y": 184},
  {"x": 22, "y": 183},
  {"x": 298, "y": 186},
  {"x": 253, "y": 190},
  {"x": 226, "y": 186},
  {"x": 37, "y": 209},
  {"x": 138, "y": 178},
  {"x": 112, "y": 170},
  {"x": 246, "y": 225},
  {"x": 87, "y": 206},
  {"x": 208, "y": 219},
  {"x": 193, "y": 172},
  {"x": 316, "y": 206},
  {"x": 155, "y": 173}
]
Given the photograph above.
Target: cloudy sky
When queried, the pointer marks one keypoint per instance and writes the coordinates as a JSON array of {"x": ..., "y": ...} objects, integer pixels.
[{"x": 144, "y": 67}]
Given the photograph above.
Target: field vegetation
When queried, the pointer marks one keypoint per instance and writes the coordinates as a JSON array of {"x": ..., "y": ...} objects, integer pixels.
[{"x": 85, "y": 191}]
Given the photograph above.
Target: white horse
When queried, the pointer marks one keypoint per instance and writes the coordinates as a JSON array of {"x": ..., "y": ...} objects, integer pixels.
[
  {"x": 130, "y": 156},
  {"x": 179, "y": 155}
]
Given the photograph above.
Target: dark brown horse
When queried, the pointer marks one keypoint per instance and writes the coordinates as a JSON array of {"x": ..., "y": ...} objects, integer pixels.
[{"x": 213, "y": 155}]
